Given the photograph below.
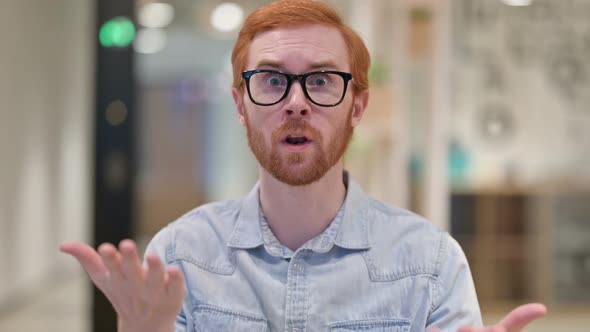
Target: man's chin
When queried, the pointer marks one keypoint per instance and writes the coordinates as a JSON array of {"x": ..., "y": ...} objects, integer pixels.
[
  {"x": 298, "y": 174},
  {"x": 297, "y": 181}
]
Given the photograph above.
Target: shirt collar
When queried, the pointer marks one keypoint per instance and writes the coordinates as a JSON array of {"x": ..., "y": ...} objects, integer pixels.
[
  {"x": 354, "y": 231},
  {"x": 349, "y": 229},
  {"x": 247, "y": 233}
]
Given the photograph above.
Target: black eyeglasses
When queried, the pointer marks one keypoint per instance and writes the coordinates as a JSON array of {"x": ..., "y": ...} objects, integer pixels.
[{"x": 323, "y": 88}]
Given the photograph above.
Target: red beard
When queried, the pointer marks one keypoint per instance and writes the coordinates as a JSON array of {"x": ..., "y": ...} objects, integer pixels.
[{"x": 299, "y": 168}]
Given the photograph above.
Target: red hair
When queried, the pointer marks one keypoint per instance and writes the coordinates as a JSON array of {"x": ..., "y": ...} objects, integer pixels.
[{"x": 288, "y": 13}]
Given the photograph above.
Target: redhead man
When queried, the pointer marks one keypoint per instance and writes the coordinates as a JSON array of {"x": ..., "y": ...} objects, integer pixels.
[{"x": 306, "y": 249}]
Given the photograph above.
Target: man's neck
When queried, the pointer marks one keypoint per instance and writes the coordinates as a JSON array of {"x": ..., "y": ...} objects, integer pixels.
[{"x": 296, "y": 214}]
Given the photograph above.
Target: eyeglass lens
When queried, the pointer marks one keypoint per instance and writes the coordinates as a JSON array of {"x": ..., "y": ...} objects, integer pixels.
[{"x": 322, "y": 88}]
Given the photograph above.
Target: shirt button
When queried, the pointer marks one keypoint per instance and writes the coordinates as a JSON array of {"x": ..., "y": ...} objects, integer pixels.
[{"x": 297, "y": 268}]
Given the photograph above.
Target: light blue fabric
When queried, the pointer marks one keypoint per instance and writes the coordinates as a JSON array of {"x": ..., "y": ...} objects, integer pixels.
[{"x": 375, "y": 268}]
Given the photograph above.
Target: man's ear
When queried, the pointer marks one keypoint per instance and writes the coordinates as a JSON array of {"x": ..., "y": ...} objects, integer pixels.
[
  {"x": 239, "y": 101},
  {"x": 359, "y": 106}
]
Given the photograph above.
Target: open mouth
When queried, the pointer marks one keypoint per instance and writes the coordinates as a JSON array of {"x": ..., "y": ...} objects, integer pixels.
[{"x": 296, "y": 140}]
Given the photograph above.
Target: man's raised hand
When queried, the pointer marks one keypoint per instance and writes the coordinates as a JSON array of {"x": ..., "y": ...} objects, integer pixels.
[
  {"x": 515, "y": 321},
  {"x": 146, "y": 298}
]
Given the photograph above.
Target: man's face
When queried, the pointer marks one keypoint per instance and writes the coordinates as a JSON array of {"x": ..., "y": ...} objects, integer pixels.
[{"x": 295, "y": 140}]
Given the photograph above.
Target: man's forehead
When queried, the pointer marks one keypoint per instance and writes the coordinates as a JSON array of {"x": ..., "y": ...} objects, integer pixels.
[{"x": 318, "y": 46}]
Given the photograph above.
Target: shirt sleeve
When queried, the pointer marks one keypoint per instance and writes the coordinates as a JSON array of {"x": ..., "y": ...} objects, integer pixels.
[
  {"x": 454, "y": 298},
  {"x": 159, "y": 245}
]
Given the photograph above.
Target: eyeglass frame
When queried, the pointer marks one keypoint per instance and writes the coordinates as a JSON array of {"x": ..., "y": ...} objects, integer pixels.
[{"x": 347, "y": 77}]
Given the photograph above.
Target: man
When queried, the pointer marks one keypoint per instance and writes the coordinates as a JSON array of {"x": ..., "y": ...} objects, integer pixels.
[{"x": 306, "y": 250}]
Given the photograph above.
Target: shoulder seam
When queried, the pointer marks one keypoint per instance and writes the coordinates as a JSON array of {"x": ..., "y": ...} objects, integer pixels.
[
  {"x": 438, "y": 265},
  {"x": 443, "y": 239}
]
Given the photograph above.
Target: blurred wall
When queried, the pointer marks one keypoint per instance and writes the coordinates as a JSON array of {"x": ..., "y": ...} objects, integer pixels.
[{"x": 46, "y": 109}]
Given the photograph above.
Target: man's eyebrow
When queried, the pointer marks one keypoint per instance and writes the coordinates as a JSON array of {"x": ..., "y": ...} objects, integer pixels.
[
  {"x": 323, "y": 64},
  {"x": 269, "y": 63},
  {"x": 280, "y": 65}
]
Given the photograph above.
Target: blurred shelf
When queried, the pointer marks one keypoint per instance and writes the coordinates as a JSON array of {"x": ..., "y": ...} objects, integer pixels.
[{"x": 525, "y": 246}]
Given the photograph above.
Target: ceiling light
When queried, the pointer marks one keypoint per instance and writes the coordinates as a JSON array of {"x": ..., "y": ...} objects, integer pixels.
[
  {"x": 150, "y": 41},
  {"x": 155, "y": 15},
  {"x": 517, "y": 2},
  {"x": 227, "y": 17}
]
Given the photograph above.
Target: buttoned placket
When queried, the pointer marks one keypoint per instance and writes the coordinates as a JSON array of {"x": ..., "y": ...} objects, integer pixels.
[{"x": 296, "y": 297}]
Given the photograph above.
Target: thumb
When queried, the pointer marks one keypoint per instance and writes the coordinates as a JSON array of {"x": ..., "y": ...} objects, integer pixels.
[{"x": 523, "y": 315}]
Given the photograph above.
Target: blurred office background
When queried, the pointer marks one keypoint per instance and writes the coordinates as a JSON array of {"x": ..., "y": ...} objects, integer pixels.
[{"x": 116, "y": 117}]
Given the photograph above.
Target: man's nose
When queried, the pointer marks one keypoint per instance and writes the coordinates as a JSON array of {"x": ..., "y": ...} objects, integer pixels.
[{"x": 297, "y": 103}]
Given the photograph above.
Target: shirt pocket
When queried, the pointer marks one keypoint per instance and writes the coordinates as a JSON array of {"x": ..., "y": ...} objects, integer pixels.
[
  {"x": 208, "y": 318},
  {"x": 372, "y": 325}
]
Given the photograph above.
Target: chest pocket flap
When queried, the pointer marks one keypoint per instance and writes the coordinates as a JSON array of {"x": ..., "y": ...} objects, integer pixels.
[
  {"x": 210, "y": 318},
  {"x": 372, "y": 325}
]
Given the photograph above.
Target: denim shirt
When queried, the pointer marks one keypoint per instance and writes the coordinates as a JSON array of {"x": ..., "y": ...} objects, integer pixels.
[{"x": 375, "y": 268}]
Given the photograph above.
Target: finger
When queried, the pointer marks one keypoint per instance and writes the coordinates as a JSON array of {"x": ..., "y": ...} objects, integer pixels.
[
  {"x": 495, "y": 328},
  {"x": 156, "y": 275},
  {"x": 131, "y": 265},
  {"x": 469, "y": 329},
  {"x": 522, "y": 316},
  {"x": 88, "y": 258},
  {"x": 112, "y": 260},
  {"x": 175, "y": 283}
]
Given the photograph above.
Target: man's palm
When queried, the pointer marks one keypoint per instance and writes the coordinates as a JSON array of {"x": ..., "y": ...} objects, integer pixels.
[
  {"x": 515, "y": 321},
  {"x": 144, "y": 297}
]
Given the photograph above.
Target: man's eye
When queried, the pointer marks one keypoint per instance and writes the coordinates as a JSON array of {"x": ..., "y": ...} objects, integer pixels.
[
  {"x": 273, "y": 81},
  {"x": 320, "y": 81}
]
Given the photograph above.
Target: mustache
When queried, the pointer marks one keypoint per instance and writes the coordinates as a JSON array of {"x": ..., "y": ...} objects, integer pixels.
[{"x": 298, "y": 125}]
